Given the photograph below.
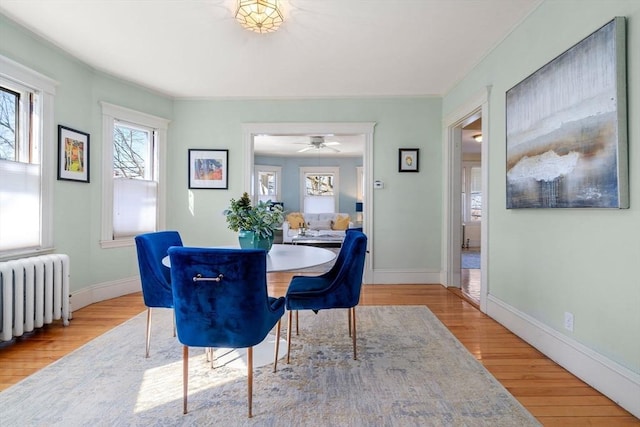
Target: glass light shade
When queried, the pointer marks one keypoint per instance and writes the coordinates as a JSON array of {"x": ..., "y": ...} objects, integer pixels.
[{"x": 260, "y": 16}]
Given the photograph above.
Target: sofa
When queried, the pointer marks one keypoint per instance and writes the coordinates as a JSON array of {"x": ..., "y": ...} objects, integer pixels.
[{"x": 315, "y": 224}]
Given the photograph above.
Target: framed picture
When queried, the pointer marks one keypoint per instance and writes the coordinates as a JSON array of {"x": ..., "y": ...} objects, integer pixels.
[
  {"x": 408, "y": 160},
  {"x": 567, "y": 128},
  {"x": 209, "y": 169},
  {"x": 73, "y": 154}
]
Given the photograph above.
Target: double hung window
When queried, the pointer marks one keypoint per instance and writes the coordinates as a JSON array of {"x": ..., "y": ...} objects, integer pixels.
[
  {"x": 132, "y": 194},
  {"x": 472, "y": 192},
  {"x": 26, "y": 158},
  {"x": 319, "y": 189},
  {"x": 268, "y": 183}
]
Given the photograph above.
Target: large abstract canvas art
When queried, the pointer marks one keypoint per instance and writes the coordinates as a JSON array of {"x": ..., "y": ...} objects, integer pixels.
[{"x": 567, "y": 128}]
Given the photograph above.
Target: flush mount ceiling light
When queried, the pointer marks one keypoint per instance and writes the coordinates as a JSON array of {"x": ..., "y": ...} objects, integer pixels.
[
  {"x": 260, "y": 16},
  {"x": 478, "y": 137}
]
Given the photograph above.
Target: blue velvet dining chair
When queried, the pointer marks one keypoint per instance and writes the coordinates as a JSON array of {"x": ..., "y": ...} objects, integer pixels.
[
  {"x": 338, "y": 288},
  {"x": 220, "y": 300},
  {"x": 155, "y": 277}
]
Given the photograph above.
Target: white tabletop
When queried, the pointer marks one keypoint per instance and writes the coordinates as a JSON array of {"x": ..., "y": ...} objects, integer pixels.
[{"x": 290, "y": 257}]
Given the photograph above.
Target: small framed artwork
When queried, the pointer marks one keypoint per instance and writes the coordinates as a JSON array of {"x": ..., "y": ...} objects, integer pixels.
[
  {"x": 408, "y": 160},
  {"x": 209, "y": 169},
  {"x": 73, "y": 154}
]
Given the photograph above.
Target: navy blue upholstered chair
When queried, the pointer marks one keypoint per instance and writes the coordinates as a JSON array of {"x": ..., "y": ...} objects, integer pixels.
[
  {"x": 155, "y": 277},
  {"x": 220, "y": 300},
  {"x": 338, "y": 288}
]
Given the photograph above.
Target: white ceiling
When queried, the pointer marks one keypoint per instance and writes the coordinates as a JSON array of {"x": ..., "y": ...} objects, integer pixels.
[
  {"x": 290, "y": 146},
  {"x": 324, "y": 48}
]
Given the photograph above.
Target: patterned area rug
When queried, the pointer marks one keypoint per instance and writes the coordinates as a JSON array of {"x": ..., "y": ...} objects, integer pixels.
[{"x": 411, "y": 372}]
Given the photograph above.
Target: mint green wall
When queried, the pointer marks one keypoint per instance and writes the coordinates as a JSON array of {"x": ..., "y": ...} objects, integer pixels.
[
  {"x": 77, "y": 206},
  {"x": 544, "y": 262},
  {"x": 408, "y": 206}
]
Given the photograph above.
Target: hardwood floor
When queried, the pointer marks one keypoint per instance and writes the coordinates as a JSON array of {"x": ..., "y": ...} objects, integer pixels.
[{"x": 549, "y": 392}]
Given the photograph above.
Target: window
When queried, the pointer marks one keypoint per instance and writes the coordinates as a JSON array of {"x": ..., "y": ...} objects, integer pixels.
[
  {"x": 319, "y": 189},
  {"x": 26, "y": 159},
  {"x": 317, "y": 184},
  {"x": 133, "y": 201},
  {"x": 268, "y": 186},
  {"x": 471, "y": 192}
]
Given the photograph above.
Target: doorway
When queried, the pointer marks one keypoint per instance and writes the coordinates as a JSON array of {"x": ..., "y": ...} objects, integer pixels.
[
  {"x": 459, "y": 130},
  {"x": 363, "y": 130},
  {"x": 471, "y": 210}
]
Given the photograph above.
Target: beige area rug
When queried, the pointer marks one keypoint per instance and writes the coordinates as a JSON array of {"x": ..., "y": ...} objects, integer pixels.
[{"x": 411, "y": 372}]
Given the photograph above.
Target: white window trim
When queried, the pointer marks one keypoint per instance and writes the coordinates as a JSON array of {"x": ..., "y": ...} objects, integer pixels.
[
  {"x": 320, "y": 170},
  {"x": 111, "y": 112},
  {"x": 46, "y": 87}
]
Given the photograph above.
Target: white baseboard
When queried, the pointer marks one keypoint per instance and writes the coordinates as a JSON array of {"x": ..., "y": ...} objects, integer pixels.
[
  {"x": 381, "y": 276},
  {"x": 105, "y": 291},
  {"x": 608, "y": 377}
]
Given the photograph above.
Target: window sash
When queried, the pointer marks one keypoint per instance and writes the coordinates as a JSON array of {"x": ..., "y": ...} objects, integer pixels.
[
  {"x": 134, "y": 207},
  {"x": 20, "y": 200}
]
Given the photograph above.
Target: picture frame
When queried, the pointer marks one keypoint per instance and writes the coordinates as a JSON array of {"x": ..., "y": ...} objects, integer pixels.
[
  {"x": 73, "y": 155},
  {"x": 208, "y": 169},
  {"x": 408, "y": 160},
  {"x": 566, "y": 128}
]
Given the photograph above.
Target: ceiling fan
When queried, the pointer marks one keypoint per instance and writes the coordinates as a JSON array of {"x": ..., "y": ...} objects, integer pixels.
[{"x": 318, "y": 143}]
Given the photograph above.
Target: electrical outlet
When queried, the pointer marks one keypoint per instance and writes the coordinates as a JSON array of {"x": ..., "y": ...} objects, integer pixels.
[{"x": 568, "y": 321}]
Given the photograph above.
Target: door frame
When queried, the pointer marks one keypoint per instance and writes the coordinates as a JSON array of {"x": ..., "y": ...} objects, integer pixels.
[
  {"x": 477, "y": 106},
  {"x": 249, "y": 130}
]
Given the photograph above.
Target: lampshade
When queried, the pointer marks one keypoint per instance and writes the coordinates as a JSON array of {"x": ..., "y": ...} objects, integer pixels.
[
  {"x": 260, "y": 16},
  {"x": 478, "y": 137}
]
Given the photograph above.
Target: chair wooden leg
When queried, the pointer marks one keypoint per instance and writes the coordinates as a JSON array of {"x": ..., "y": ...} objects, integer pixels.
[
  {"x": 349, "y": 321},
  {"x": 352, "y": 310},
  {"x": 211, "y": 356},
  {"x": 297, "y": 323},
  {"x": 148, "y": 340},
  {"x": 275, "y": 359},
  {"x": 289, "y": 335},
  {"x": 185, "y": 377},
  {"x": 250, "y": 377},
  {"x": 174, "y": 323}
]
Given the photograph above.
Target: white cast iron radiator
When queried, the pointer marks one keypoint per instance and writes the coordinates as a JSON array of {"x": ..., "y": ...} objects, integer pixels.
[{"x": 33, "y": 292}]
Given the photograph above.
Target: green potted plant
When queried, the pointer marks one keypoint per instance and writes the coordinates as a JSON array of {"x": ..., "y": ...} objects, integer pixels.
[{"x": 255, "y": 224}]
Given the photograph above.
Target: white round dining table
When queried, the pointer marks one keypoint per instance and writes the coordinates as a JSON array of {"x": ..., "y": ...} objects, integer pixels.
[{"x": 289, "y": 257}]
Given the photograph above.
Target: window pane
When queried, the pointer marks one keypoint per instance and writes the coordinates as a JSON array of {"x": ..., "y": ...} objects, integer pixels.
[
  {"x": 476, "y": 193},
  {"x": 20, "y": 201},
  {"x": 134, "y": 206},
  {"x": 267, "y": 182},
  {"x": 319, "y": 185},
  {"x": 9, "y": 107},
  {"x": 132, "y": 148}
]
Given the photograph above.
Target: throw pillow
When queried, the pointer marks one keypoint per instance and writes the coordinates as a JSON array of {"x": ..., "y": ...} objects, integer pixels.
[
  {"x": 319, "y": 225},
  {"x": 295, "y": 220},
  {"x": 341, "y": 222}
]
